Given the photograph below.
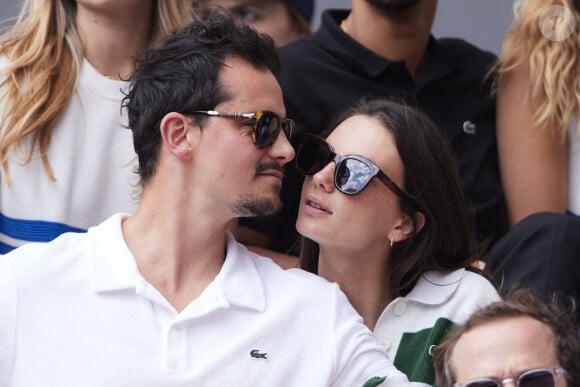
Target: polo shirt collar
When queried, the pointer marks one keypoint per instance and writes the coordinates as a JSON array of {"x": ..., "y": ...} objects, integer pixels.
[
  {"x": 113, "y": 262},
  {"x": 238, "y": 282},
  {"x": 330, "y": 37},
  {"x": 436, "y": 287}
]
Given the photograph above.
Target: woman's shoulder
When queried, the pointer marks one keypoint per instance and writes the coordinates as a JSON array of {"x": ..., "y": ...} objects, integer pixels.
[
  {"x": 463, "y": 288},
  {"x": 475, "y": 281},
  {"x": 454, "y": 295},
  {"x": 473, "y": 292}
]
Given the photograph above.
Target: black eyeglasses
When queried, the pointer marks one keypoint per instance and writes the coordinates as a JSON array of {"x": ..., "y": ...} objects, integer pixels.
[
  {"x": 537, "y": 377},
  {"x": 352, "y": 173},
  {"x": 267, "y": 125}
]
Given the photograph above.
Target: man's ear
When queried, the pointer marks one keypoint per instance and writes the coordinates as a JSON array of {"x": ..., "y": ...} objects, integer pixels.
[
  {"x": 175, "y": 132},
  {"x": 406, "y": 229}
]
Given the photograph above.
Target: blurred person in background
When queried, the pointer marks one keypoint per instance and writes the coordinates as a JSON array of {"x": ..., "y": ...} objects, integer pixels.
[
  {"x": 538, "y": 137},
  {"x": 66, "y": 156},
  {"x": 538, "y": 109},
  {"x": 283, "y": 20}
]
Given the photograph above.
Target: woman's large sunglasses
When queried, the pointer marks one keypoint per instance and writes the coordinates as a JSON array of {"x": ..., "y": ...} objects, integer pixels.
[
  {"x": 537, "y": 377},
  {"x": 267, "y": 125},
  {"x": 352, "y": 173}
]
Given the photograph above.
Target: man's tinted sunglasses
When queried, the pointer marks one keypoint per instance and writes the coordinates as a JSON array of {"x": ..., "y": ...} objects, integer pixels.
[{"x": 267, "y": 125}]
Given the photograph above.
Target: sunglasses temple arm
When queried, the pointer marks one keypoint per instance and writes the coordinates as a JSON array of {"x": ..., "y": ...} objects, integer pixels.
[{"x": 392, "y": 186}]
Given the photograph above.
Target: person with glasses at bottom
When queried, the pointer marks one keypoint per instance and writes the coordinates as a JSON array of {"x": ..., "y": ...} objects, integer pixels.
[
  {"x": 166, "y": 297},
  {"x": 522, "y": 342},
  {"x": 383, "y": 215}
]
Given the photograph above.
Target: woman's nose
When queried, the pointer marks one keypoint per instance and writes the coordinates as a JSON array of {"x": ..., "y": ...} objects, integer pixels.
[{"x": 324, "y": 178}]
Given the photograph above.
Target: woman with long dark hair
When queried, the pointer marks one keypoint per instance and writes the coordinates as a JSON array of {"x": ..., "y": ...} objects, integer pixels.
[{"x": 383, "y": 215}]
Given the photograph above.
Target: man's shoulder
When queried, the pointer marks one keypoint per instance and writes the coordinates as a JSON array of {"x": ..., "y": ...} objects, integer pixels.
[
  {"x": 298, "y": 282},
  {"x": 462, "y": 63},
  {"x": 464, "y": 51},
  {"x": 36, "y": 249},
  {"x": 320, "y": 40},
  {"x": 298, "y": 45},
  {"x": 271, "y": 271},
  {"x": 46, "y": 266},
  {"x": 303, "y": 52},
  {"x": 68, "y": 250}
]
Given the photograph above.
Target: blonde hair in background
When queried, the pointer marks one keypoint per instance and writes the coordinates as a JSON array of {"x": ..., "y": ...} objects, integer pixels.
[
  {"x": 43, "y": 57},
  {"x": 554, "y": 83}
]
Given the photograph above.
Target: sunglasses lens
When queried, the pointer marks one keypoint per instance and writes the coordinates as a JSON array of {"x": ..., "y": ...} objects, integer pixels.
[
  {"x": 313, "y": 155},
  {"x": 267, "y": 129},
  {"x": 536, "y": 378},
  {"x": 352, "y": 176}
]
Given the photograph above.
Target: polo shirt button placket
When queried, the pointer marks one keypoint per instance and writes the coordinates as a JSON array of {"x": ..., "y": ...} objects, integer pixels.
[
  {"x": 385, "y": 342},
  {"x": 177, "y": 348}
]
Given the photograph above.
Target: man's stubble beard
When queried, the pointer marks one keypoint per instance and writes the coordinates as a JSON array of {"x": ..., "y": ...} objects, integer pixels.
[
  {"x": 251, "y": 204},
  {"x": 393, "y": 6}
]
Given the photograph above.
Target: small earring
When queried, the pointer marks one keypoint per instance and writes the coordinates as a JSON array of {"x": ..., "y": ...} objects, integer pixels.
[{"x": 392, "y": 242}]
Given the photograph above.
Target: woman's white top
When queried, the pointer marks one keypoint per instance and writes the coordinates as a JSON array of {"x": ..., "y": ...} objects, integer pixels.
[{"x": 92, "y": 157}]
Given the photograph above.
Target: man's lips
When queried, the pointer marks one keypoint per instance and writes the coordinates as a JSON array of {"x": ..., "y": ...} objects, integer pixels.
[
  {"x": 274, "y": 173},
  {"x": 270, "y": 169}
]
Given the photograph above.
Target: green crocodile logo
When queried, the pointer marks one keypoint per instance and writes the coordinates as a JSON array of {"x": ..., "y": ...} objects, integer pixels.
[
  {"x": 257, "y": 354},
  {"x": 374, "y": 381}
]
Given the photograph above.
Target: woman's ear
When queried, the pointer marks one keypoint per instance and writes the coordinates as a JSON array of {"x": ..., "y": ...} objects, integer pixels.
[
  {"x": 406, "y": 228},
  {"x": 175, "y": 132},
  {"x": 420, "y": 221}
]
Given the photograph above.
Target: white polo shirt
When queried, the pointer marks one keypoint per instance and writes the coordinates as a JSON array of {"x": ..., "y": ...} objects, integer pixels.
[{"x": 76, "y": 312}]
